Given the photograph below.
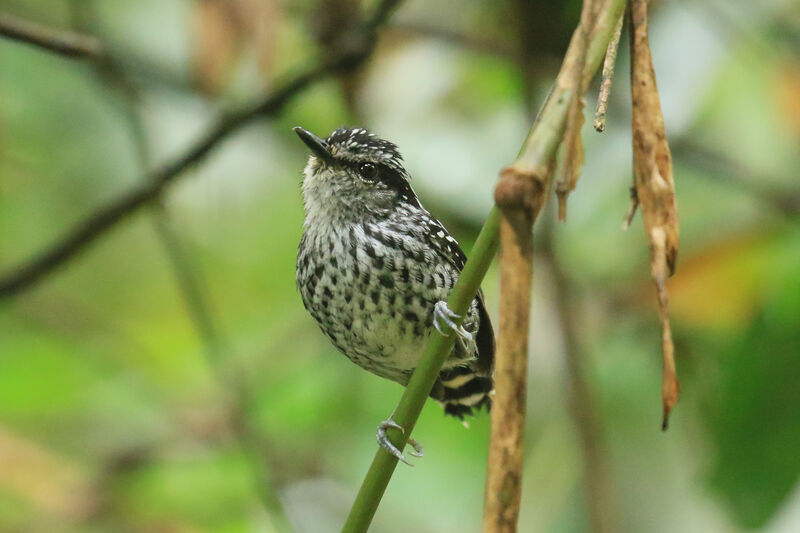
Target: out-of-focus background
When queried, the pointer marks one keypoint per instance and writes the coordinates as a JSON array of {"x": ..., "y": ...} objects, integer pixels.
[{"x": 167, "y": 378}]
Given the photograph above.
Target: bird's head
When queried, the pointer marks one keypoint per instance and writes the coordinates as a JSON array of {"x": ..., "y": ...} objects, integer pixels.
[{"x": 353, "y": 174}]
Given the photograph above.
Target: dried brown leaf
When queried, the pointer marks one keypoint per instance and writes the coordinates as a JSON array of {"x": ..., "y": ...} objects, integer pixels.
[
  {"x": 572, "y": 79},
  {"x": 573, "y": 156},
  {"x": 669, "y": 377},
  {"x": 655, "y": 187}
]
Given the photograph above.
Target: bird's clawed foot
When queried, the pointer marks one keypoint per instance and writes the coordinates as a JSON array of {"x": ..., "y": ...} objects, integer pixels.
[
  {"x": 443, "y": 313},
  {"x": 387, "y": 445}
]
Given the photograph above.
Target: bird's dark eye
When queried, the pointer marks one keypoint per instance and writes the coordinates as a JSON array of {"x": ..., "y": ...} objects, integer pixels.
[{"x": 368, "y": 171}]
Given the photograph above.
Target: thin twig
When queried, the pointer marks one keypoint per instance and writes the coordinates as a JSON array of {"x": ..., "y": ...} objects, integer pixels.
[
  {"x": 74, "y": 45},
  {"x": 448, "y": 35},
  {"x": 608, "y": 74},
  {"x": 65, "y": 43},
  {"x": 106, "y": 217}
]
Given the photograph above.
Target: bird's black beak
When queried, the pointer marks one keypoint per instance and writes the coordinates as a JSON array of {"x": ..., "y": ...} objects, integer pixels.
[{"x": 317, "y": 145}]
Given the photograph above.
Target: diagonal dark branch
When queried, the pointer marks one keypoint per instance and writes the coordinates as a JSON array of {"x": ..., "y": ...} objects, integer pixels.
[
  {"x": 445, "y": 34},
  {"x": 75, "y": 45},
  {"x": 106, "y": 217},
  {"x": 380, "y": 16},
  {"x": 62, "y": 42}
]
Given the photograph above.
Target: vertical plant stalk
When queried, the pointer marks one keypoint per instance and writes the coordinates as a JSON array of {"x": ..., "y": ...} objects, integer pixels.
[
  {"x": 62, "y": 42},
  {"x": 655, "y": 188},
  {"x": 514, "y": 196},
  {"x": 521, "y": 193},
  {"x": 608, "y": 74}
]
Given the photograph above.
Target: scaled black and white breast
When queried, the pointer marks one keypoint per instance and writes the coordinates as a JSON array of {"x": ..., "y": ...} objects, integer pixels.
[{"x": 373, "y": 263}]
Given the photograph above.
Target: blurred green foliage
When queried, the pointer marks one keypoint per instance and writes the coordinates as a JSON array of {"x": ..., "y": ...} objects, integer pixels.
[{"x": 113, "y": 418}]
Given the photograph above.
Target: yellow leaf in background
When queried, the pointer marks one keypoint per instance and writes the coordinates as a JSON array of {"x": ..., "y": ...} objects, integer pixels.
[
  {"x": 787, "y": 88},
  {"x": 217, "y": 35},
  {"x": 722, "y": 286},
  {"x": 55, "y": 485},
  {"x": 223, "y": 30}
]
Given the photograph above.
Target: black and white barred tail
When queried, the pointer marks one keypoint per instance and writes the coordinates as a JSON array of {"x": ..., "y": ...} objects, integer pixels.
[{"x": 464, "y": 390}]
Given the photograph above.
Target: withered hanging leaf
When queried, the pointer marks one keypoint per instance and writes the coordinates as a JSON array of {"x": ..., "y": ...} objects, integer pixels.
[
  {"x": 655, "y": 188},
  {"x": 669, "y": 376},
  {"x": 573, "y": 156}
]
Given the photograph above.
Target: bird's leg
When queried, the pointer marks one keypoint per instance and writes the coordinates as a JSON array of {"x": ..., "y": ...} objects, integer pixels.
[
  {"x": 442, "y": 313},
  {"x": 386, "y": 444}
]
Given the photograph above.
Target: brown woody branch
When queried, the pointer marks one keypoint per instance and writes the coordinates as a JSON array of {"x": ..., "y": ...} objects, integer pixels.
[
  {"x": 521, "y": 193},
  {"x": 62, "y": 42}
]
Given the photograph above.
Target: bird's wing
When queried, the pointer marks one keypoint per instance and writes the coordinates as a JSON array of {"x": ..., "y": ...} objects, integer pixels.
[
  {"x": 445, "y": 245},
  {"x": 448, "y": 248}
]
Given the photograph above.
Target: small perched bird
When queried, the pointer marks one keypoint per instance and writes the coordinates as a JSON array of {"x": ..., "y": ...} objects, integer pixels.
[{"x": 374, "y": 269}]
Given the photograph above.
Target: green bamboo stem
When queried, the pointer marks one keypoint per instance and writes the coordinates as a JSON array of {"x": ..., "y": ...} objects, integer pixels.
[
  {"x": 421, "y": 383},
  {"x": 541, "y": 143}
]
